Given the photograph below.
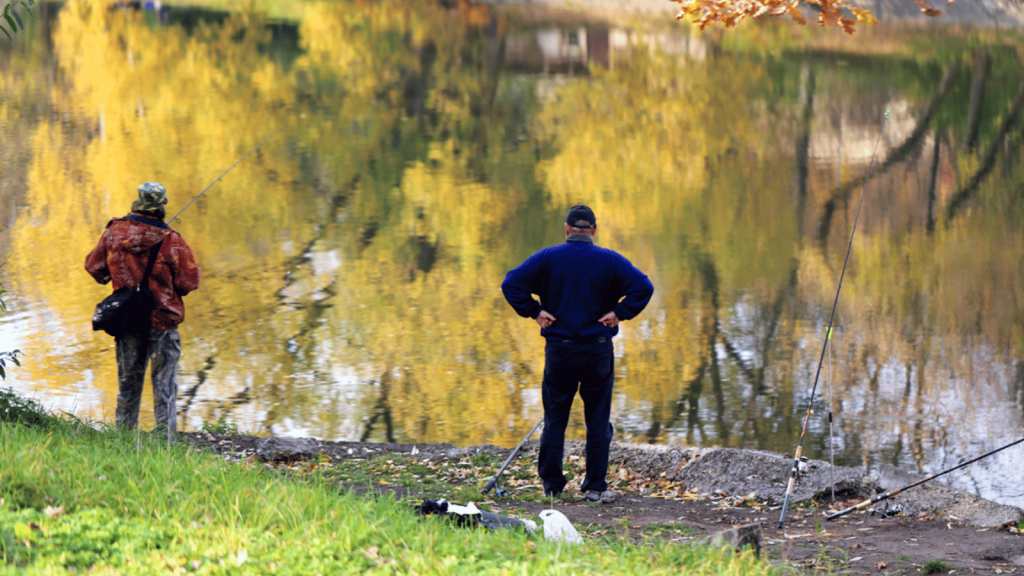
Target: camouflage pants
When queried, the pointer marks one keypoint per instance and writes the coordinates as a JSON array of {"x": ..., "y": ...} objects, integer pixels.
[{"x": 133, "y": 353}]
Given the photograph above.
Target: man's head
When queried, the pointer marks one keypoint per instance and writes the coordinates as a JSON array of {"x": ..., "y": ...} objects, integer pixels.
[
  {"x": 152, "y": 200},
  {"x": 580, "y": 220}
]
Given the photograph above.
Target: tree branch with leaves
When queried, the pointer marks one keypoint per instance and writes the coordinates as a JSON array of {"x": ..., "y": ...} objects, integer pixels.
[
  {"x": 703, "y": 13},
  {"x": 13, "y": 19}
]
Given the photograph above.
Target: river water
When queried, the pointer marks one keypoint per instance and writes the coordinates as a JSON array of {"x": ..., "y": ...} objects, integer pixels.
[{"x": 351, "y": 266}]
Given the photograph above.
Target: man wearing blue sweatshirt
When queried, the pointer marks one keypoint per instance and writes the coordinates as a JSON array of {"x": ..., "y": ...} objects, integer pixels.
[{"x": 585, "y": 291}]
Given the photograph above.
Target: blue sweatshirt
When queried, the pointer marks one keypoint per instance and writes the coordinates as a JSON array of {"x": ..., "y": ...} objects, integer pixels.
[{"x": 577, "y": 283}]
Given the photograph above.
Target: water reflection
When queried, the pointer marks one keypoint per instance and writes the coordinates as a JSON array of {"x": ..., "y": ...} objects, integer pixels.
[{"x": 351, "y": 266}]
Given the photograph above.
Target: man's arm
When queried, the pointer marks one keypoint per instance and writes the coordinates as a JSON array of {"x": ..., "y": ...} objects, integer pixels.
[
  {"x": 519, "y": 286},
  {"x": 96, "y": 262},
  {"x": 184, "y": 269},
  {"x": 636, "y": 289}
]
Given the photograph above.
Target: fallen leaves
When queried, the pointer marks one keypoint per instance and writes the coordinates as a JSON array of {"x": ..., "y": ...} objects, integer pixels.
[
  {"x": 703, "y": 13},
  {"x": 373, "y": 555},
  {"x": 52, "y": 512},
  {"x": 387, "y": 471}
]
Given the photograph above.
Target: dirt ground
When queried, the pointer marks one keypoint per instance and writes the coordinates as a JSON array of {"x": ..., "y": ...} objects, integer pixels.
[{"x": 858, "y": 543}]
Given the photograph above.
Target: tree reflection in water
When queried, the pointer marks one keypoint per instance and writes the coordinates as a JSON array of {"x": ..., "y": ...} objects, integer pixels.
[{"x": 352, "y": 265}]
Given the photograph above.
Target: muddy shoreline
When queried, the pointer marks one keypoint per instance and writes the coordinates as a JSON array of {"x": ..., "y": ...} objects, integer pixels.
[{"x": 690, "y": 493}]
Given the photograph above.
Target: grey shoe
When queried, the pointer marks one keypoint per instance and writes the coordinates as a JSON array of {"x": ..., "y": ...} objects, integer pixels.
[{"x": 606, "y": 497}]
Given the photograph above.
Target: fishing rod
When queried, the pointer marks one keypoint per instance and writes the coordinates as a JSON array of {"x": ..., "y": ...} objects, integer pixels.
[
  {"x": 891, "y": 493},
  {"x": 175, "y": 217},
  {"x": 494, "y": 481},
  {"x": 831, "y": 434},
  {"x": 828, "y": 336}
]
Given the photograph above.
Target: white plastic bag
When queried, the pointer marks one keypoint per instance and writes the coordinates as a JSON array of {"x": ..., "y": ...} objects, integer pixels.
[{"x": 557, "y": 528}]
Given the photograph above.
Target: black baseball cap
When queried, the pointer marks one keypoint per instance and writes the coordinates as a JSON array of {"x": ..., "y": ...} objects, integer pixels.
[{"x": 580, "y": 216}]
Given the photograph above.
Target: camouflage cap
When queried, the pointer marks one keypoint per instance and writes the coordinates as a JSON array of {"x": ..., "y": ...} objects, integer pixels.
[{"x": 152, "y": 196}]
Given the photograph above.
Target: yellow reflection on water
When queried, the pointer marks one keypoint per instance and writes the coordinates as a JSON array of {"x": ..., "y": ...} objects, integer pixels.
[{"x": 352, "y": 265}]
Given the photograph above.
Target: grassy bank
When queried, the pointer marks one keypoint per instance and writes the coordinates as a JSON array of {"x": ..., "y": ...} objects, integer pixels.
[{"x": 73, "y": 499}]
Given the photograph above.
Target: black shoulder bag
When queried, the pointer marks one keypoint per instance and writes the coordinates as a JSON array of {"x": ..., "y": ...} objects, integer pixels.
[{"x": 127, "y": 310}]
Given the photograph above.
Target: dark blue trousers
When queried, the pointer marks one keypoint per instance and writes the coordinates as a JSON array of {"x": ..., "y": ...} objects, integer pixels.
[{"x": 590, "y": 368}]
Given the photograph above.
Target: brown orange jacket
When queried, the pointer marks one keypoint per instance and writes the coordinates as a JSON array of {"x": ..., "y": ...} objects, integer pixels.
[{"x": 122, "y": 254}]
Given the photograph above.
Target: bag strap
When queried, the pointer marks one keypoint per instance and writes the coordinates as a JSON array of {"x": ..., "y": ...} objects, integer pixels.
[{"x": 152, "y": 260}]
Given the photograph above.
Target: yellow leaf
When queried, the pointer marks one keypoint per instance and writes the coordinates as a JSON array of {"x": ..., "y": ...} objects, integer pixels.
[
  {"x": 864, "y": 16},
  {"x": 22, "y": 532}
]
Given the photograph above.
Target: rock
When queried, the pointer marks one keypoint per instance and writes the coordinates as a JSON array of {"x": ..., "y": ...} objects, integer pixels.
[
  {"x": 459, "y": 453},
  {"x": 276, "y": 448},
  {"x": 766, "y": 474},
  {"x": 730, "y": 470},
  {"x": 748, "y": 535}
]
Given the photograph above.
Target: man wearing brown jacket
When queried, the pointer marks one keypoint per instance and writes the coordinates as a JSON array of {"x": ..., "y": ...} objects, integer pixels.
[{"x": 121, "y": 257}]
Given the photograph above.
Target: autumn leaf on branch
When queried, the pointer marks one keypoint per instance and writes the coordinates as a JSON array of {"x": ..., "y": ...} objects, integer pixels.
[
  {"x": 928, "y": 10},
  {"x": 864, "y": 16},
  {"x": 703, "y": 13}
]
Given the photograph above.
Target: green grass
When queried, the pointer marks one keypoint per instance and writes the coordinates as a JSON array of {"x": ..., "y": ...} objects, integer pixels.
[
  {"x": 221, "y": 426},
  {"x": 14, "y": 408},
  {"x": 671, "y": 528},
  {"x": 74, "y": 499},
  {"x": 444, "y": 480},
  {"x": 935, "y": 567}
]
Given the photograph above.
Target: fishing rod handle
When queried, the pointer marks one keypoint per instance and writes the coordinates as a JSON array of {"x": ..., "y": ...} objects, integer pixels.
[
  {"x": 792, "y": 476},
  {"x": 785, "y": 502}
]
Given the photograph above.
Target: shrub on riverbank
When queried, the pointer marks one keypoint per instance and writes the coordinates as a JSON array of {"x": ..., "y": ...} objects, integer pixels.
[{"x": 74, "y": 498}]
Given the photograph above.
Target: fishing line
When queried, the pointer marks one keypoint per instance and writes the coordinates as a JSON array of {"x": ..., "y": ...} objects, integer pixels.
[
  {"x": 821, "y": 360},
  {"x": 175, "y": 217},
  {"x": 892, "y": 493}
]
